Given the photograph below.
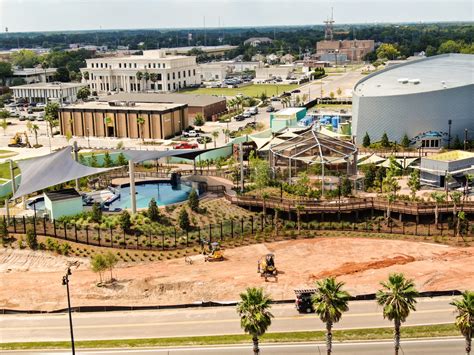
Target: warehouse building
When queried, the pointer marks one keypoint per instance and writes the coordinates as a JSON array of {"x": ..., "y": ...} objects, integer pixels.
[
  {"x": 122, "y": 119},
  {"x": 422, "y": 98},
  {"x": 210, "y": 107}
]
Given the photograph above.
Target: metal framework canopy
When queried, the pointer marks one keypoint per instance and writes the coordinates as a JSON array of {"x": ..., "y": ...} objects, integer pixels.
[{"x": 312, "y": 147}]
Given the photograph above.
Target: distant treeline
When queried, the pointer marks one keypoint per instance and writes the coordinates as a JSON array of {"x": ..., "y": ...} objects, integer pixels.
[{"x": 408, "y": 38}]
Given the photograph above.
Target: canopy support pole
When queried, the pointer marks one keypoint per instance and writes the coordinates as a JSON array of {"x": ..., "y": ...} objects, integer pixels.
[
  {"x": 76, "y": 158},
  {"x": 131, "y": 171},
  {"x": 241, "y": 156},
  {"x": 12, "y": 176}
]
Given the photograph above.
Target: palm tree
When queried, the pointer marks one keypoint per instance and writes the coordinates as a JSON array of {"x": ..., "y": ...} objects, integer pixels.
[
  {"x": 276, "y": 221},
  {"x": 146, "y": 76},
  {"x": 35, "y": 128},
  {"x": 465, "y": 318},
  {"x": 239, "y": 101},
  {"x": 461, "y": 219},
  {"x": 107, "y": 122},
  {"x": 141, "y": 122},
  {"x": 456, "y": 198},
  {"x": 438, "y": 198},
  {"x": 4, "y": 125},
  {"x": 154, "y": 79},
  {"x": 329, "y": 302},
  {"x": 397, "y": 298},
  {"x": 139, "y": 76},
  {"x": 254, "y": 311},
  {"x": 215, "y": 135}
]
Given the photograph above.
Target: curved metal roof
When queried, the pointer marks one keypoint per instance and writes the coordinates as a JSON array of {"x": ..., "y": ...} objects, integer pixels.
[{"x": 435, "y": 73}]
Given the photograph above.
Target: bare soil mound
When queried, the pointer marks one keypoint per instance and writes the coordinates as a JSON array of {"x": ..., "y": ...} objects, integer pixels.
[{"x": 34, "y": 279}]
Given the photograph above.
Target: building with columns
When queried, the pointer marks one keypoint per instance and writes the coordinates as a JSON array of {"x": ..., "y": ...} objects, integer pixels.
[
  {"x": 154, "y": 71},
  {"x": 45, "y": 92}
]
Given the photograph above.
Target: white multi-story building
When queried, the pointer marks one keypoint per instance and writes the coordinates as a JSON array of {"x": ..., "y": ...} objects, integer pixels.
[{"x": 153, "y": 71}]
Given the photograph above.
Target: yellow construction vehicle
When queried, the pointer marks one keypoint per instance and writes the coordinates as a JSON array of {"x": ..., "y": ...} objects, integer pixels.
[
  {"x": 266, "y": 267},
  {"x": 17, "y": 141},
  {"x": 215, "y": 252}
]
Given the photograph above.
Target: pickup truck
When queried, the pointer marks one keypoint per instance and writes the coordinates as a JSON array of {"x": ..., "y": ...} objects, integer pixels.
[{"x": 190, "y": 134}]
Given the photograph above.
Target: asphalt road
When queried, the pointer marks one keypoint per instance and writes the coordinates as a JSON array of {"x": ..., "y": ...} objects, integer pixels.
[
  {"x": 200, "y": 321},
  {"x": 450, "y": 346}
]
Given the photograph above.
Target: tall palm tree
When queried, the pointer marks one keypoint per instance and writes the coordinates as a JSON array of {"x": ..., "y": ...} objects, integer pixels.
[
  {"x": 438, "y": 198},
  {"x": 141, "y": 122},
  {"x": 139, "y": 76},
  {"x": 254, "y": 311},
  {"x": 215, "y": 135},
  {"x": 397, "y": 298},
  {"x": 34, "y": 128},
  {"x": 4, "y": 125},
  {"x": 107, "y": 122},
  {"x": 154, "y": 79},
  {"x": 456, "y": 198},
  {"x": 329, "y": 302},
  {"x": 146, "y": 76},
  {"x": 465, "y": 318}
]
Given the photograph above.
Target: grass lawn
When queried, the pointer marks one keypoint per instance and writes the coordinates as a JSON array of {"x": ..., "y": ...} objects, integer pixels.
[
  {"x": 5, "y": 171},
  {"x": 437, "y": 330},
  {"x": 254, "y": 90},
  {"x": 6, "y": 153}
]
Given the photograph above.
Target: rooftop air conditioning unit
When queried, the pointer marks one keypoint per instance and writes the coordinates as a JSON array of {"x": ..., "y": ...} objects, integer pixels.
[{"x": 403, "y": 81}]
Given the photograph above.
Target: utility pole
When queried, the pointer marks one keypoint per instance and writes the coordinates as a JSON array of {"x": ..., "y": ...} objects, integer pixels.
[{"x": 66, "y": 283}]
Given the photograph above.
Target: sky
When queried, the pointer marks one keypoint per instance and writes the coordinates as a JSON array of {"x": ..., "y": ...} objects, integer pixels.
[{"x": 62, "y": 15}]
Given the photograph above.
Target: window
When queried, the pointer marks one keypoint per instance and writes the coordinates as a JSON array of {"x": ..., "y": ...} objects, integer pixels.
[
  {"x": 158, "y": 76},
  {"x": 179, "y": 75},
  {"x": 120, "y": 65},
  {"x": 189, "y": 72},
  {"x": 168, "y": 76},
  {"x": 169, "y": 87},
  {"x": 101, "y": 65},
  {"x": 135, "y": 65},
  {"x": 174, "y": 77},
  {"x": 149, "y": 65},
  {"x": 194, "y": 72},
  {"x": 184, "y": 73},
  {"x": 154, "y": 65}
]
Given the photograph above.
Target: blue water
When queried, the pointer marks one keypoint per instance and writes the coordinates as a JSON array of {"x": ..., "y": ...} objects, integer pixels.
[{"x": 163, "y": 193}]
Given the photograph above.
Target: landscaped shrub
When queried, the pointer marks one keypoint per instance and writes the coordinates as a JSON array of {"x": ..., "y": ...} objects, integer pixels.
[{"x": 31, "y": 239}]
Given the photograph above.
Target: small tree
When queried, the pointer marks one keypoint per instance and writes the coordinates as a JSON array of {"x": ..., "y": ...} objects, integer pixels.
[
  {"x": 384, "y": 142},
  {"x": 141, "y": 123},
  {"x": 121, "y": 160},
  {"x": 193, "y": 201},
  {"x": 3, "y": 231},
  {"x": 405, "y": 142},
  {"x": 465, "y": 318},
  {"x": 438, "y": 198},
  {"x": 108, "y": 162},
  {"x": 153, "y": 211},
  {"x": 31, "y": 239},
  {"x": 98, "y": 264},
  {"x": 370, "y": 176},
  {"x": 254, "y": 312},
  {"x": 125, "y": 221},
  {"x": 83, "y": 93},
  {"x": 339, "y": 91},
  {"x": 331, "y": 95},
  {"x": 366, "y": 140},
  {"x": 215, "y": 135},
  {"x": 198, "y": 120},
  {"x": 4, "y": 125},
  {"x": 183, "y": 220},
  {"x": 110, "y": 260},
  {"x": 346, "y": 187},
  {"x": 414, "y": 183},
  {"x": 96, "y": 214}
]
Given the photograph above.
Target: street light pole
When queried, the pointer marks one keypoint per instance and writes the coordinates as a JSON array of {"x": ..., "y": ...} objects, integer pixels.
[{"x": 66, "y": 283}]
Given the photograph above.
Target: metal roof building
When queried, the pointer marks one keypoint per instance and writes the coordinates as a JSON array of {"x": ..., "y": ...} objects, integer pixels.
[{"x": 426, "y": 95}]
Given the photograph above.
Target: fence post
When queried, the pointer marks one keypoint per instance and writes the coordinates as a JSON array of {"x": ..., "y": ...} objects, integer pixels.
[
  {"x": 87, "y": 235},
  {"x": 111, "y": 238},
  {"x": 261, "y": 222},
  {"x": 75, "y": 232},
  {"x": 222, "y": 235},
  {"x": 98, "y": 234},
  {"x": 187, "y": 238},
  {"x": 232, "y": 228},
  {"x": 416, "y": 227},
  {"x": 163, "y": 241},
  {"x": 429, "y": 234},
  {"x": 44, "y": 225},
  {"x": 251, "y": 222},
  {"x": 210, "y": 232},
  {"x": 24, "y": 224},
  {"x": 34, "y": 225},
  {"x": 149, "y": 240},
  {"x": 242, "y": 227},
  {"x": 54, "y": 227},
  {"x": 14, "y": 225},
  {"x": 137, "y": 240},
  {"x": 65, "y": 230},
  {"x": 175, "y": 238}
]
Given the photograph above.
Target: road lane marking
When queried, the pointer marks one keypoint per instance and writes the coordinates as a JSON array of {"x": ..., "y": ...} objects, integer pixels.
[{"x": 213, "y": 321}]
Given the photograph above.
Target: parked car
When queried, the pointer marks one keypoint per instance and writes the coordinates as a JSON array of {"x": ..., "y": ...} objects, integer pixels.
[
  {"x": 186, "y": 145},
  {"x": 296, "y": 91},
  {"x": 253, "y": 110},
  {"x": 247, "y": 114},
  {"x": 270, "y": 109},
  {"x": 22, "y": 118},
  {"x": 275, "y": 98},
  {"x": 191, "y": 133},
  {"x": 239, "y": 117}
]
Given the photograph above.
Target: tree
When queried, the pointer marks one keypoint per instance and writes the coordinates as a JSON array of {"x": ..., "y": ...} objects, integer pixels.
[
  {"x": 183, "y": 220},
  {"x": 384, "y": 142},
  {"x": 198, "y": 120},
  {"x": 121, "y": 160},
  {"x": 414, "y": 183},
  {"x": 346, "y": 187},
  {"x": 3, "y": 231},
  {"x": 299, "y": 208},
  {"x": 35, "y": 128},
  {"x": 125, "y": 221},
  {"x": 154, "y": 79},
  {"x": 276, "y": 220},
  {"x": 215, "y": 135},
  {"x": 370, "y": 175},
  {"x": 108, "y": 161},
  {"x": 62, "y": 74},
  {"x": 83, "y": 93},
  {"x": 110, "y": 261},
  {"x": 31, "y": 239},
  {"x": 438, "y": 198},
  {"x": 96, "y": 214},
  {"x": 254, "y": 312},
  {"x": 397, "y": 297},
  {"x": 25, "y": 58},
  {"x": 4, "y": 125},
  {"x": 153, "y": 211},
  {"x": 139, "y": 76},
  {"x": 259, "y": 171},
  {"x": 329, "y": 302},
  {"x": 141, "y": 122},
  {"x": 85, "y": 75},
  {"x": 5, "y": 72},
  {"x": 331, "y": 95},
  {"x": 98, "y": 264},
  {"x": 387, "y": 51},
  {"x": 51, "y": 114},
  {"x": 193, "y": 201},
  {"x": 465, "y": 317},
  {"x": 405, "y": 142},
  {"x": 146, "y": 76},
  {"x": 449, "y": 46},
  {"x": 366, "y": 140}
]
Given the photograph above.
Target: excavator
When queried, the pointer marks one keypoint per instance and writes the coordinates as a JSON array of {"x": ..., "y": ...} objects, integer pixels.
[
  {"x": 266, "y": 267},
  {"x": 17, "y": 141},
  {"x": 214, "y": 253}
]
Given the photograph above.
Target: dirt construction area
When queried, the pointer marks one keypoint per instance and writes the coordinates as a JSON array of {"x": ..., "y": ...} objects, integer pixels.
[{"x": 32, "y": 280}]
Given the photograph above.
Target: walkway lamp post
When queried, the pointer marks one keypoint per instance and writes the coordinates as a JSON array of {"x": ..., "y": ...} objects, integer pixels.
[{"x": 66, "y": 283}]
